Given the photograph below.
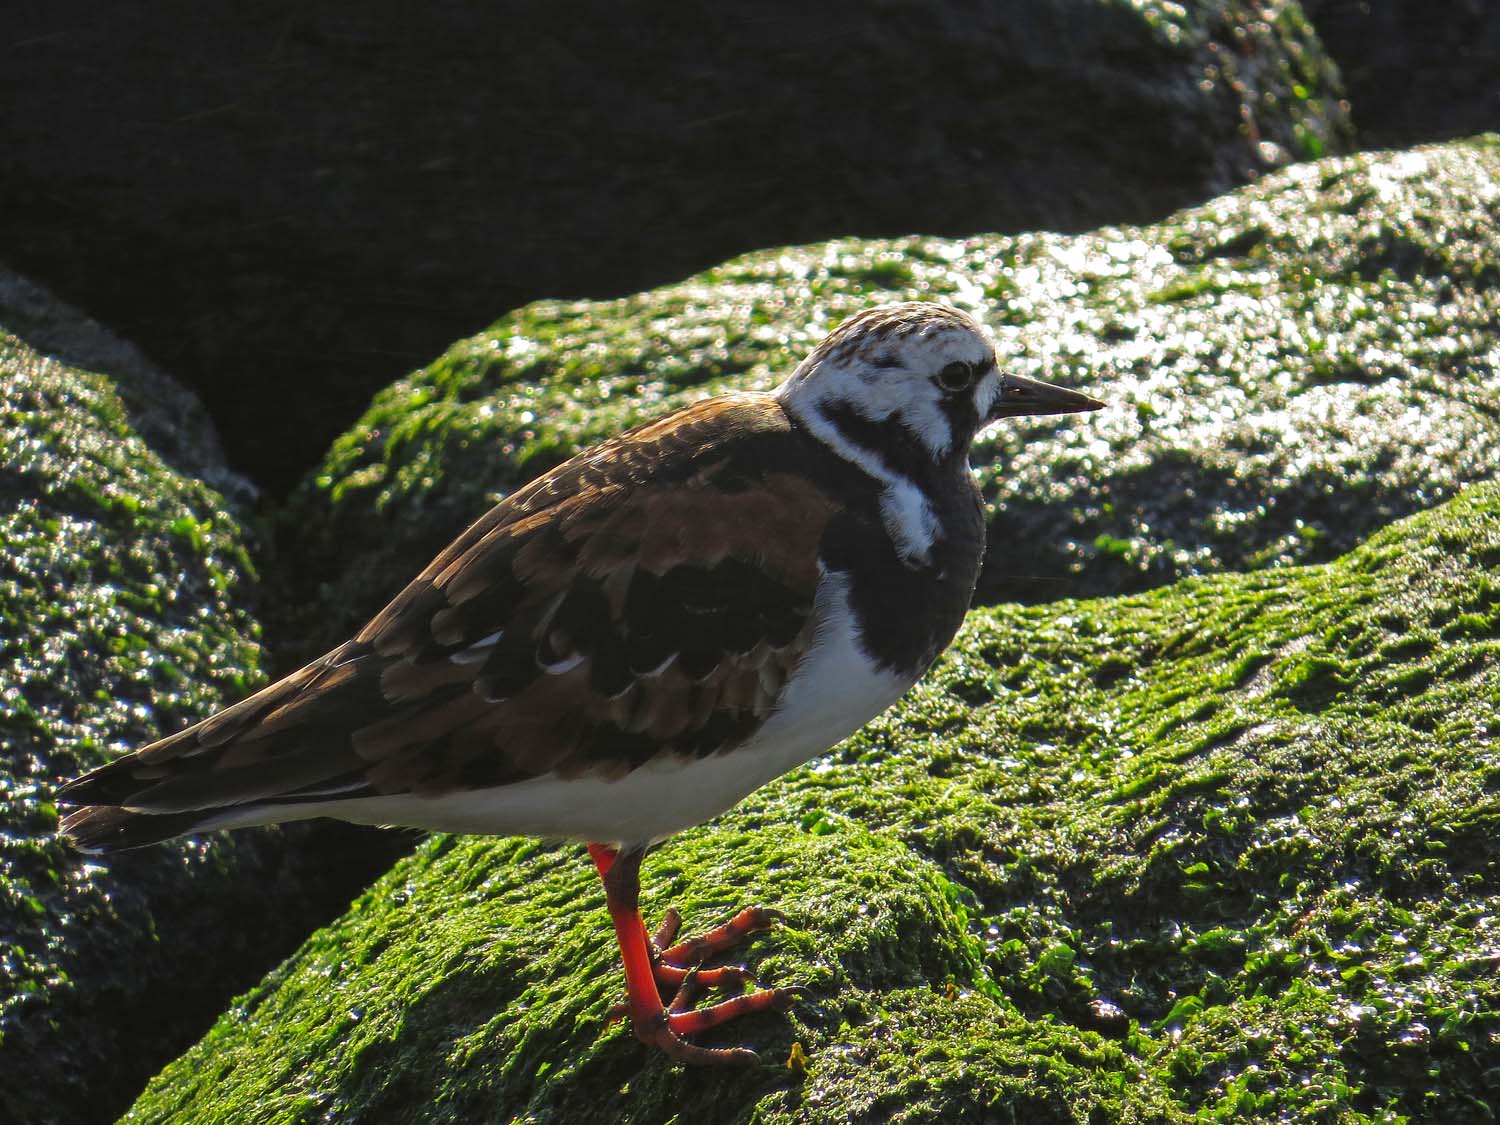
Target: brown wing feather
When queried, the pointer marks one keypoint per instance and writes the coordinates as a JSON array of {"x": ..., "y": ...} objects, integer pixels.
[{"x": 654, "y": 594}]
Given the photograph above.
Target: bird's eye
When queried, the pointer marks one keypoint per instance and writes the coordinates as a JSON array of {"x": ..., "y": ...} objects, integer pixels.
[{"x": 957, "y": 376}]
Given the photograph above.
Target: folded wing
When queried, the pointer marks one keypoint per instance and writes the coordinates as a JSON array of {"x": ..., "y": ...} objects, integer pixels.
[{"x": 652, "y": 596}]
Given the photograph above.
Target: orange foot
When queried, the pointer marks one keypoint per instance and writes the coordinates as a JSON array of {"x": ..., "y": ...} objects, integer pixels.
[{"x": 656, "y": 969}]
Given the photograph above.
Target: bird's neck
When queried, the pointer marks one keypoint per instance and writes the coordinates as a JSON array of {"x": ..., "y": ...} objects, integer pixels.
[{"x": 910, "y": 480}]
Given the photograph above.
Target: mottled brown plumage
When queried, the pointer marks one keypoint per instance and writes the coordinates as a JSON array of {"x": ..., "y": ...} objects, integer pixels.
[
  {"x": 649, "y": 601},
  {"x": 635, "y": 619}
]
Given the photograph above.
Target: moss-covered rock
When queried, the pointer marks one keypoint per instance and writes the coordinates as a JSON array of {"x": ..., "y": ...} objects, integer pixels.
[
  {"x": 125, "y": 611},
  {"x": 165, "y": 415},
  {"x": 1227, "y": 850},
  {"x": 1289, "y": 367}
]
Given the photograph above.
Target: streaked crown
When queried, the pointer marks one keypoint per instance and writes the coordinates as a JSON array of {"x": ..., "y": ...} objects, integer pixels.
[
  {"x": 919, "y": 372},
  {"x": 900, "y": 392}
]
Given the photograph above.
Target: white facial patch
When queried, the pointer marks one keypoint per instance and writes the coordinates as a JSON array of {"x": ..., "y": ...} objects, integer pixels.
[
  {"x": 881, "y": 380},
  {"x": 895, "y": 394},
  {"x": 909, "y": 519},
  {"x": 905, "y": 511},
  {"x": 986, "y": 394}
]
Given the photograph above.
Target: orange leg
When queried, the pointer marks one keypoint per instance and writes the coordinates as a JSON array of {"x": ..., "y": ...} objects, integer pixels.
[{"x": 649, "y": 969}]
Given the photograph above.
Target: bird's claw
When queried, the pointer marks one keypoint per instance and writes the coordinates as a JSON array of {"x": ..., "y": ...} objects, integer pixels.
[{"x": 682, "y": 980}]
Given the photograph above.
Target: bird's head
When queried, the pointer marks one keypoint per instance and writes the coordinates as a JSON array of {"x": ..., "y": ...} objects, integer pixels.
[{"x": 910, "y": 380}]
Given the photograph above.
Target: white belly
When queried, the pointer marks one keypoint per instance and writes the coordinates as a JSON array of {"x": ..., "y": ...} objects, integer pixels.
[{"x": 835, "y": 691}]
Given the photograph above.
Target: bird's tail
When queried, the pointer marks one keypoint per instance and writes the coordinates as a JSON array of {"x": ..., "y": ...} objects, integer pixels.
[
  {"x": 115, "y": 807},
  {"x": 98, "y": 829},
  {"x": 267, "y": 758}
]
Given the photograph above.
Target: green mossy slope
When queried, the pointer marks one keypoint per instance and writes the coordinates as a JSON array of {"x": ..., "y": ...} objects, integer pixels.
[
  {"x": 125, "y": 611},
  {"x": 1289, "y": 368},
  {"x": 1228, "y": 850},
  {"x": 123, "y": 598}
]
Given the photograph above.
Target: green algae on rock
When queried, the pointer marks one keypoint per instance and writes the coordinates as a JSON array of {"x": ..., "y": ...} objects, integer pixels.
[
  {"x": 167, "y": 417},
  {"x": 1289, "y": 367},
  {"x": 123, "y": 591},
  {"x": 1226, "y": 850},
  {"x": 125, "y": 611}
]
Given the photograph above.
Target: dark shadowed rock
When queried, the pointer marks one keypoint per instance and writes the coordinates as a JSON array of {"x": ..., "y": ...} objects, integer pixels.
[
  {"x": 289, "y": 205},
  {"x": 1287, "y": 368},
  {"x": 167, "y": 417},
  {"x": 1415, "y": 70},
  {"x": 126, "y": 594}
]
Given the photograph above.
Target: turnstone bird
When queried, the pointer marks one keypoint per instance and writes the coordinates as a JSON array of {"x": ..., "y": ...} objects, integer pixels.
[{"x": 633, "y": 642}]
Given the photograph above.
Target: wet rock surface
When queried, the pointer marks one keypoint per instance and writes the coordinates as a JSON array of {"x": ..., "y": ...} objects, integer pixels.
[
  {"x": 1226, "y": 850},
  {"x": 289, "y": 205},
  {"x": 126, "y": 610},
  {"x": 1288, "y": 368}
]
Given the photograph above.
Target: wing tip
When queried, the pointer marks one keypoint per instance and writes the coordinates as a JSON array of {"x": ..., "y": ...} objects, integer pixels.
[{"x": 102, "y": 829}]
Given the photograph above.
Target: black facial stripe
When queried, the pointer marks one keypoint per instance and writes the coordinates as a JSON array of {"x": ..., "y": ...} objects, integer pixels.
[
  {"x": 889, "y": 442},
  {"x": 959, "y": 409}
]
